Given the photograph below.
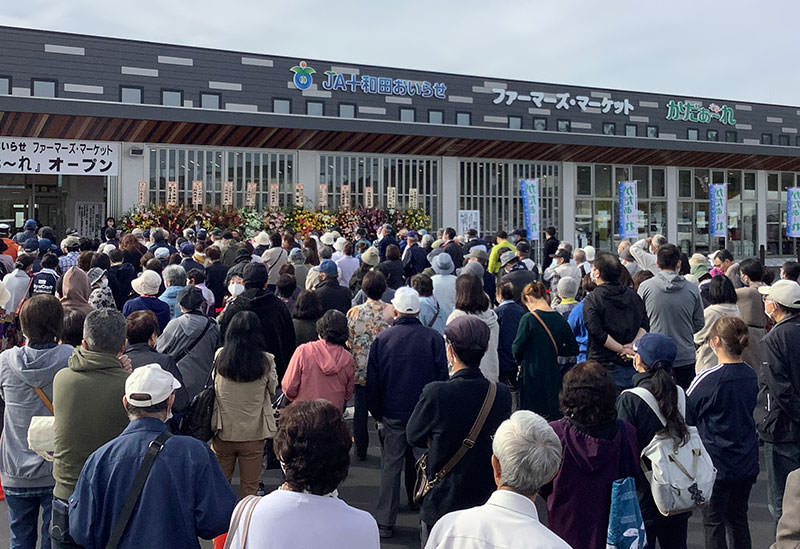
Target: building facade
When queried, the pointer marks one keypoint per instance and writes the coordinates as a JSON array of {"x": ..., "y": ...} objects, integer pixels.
[{"x": 303, "y": 131}]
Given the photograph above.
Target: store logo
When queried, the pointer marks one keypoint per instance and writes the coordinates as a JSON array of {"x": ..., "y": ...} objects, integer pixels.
[
  {"x": 695, "y": 112},
  {"x": 302, "y": 75}
]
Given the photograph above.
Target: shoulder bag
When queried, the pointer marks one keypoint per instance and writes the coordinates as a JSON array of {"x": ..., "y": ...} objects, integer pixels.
[
  {"x": 625, "y": 523},
  {"x": 189, "y": 348},
  {"x": 438, "y": 310},
  {"x": 136, "y": 490},
  {"x": 423, "y": 485},
  {"x": 242, "y": 516},
  {"x": 546, "y": 329},
  {"x": 197, "y": 418}
]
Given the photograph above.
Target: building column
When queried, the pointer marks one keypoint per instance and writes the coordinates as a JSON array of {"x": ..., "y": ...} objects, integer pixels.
[
  {"x": 308, "y": 175},
  {"x": 672, "y": 204},
  {"x": 761, "y": 209},
  {"x": 449, "y": 192},
  {"x": 569, "y": 182}
]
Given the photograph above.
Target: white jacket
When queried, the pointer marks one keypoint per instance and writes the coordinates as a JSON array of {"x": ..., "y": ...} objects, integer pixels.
[{"x": 490, "y": 363}]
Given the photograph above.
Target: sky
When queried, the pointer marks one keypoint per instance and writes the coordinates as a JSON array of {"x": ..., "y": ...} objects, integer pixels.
[{"x": 739, "y": 49}]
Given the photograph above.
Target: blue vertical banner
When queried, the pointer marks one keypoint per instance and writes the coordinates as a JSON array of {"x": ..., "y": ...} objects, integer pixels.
[
  {"x": 719, "y": 210},
  {"x": 530, "y": 206},
  {"x": 628, "y": 210},
  {"x": 793, "y": 212}
]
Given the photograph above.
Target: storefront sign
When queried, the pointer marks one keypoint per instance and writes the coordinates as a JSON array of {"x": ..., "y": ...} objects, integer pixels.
[
  {"x": 197, "y": 193},
  {"x": 793, "y": 212},
  {"x": 227, "y": 193},
  {"x": 564, "y": 101},
  {"x": 469, "y": 219},
  {"x": 142, "y": 198},
  {"x": 413, "y": 199},
  {"x": 89, "y": 217},
  {"x": 628, "y": 214},
  {"x": 719, "y": 202},
  {"x": 299, "y": 195},
  {"x": 530, "y": 206},
  {"x": 250, "y": 194},
  {"x": 344, "y": 196},
  {"x": 274, "y": 196},
  {"x": 322, "y": 197},
  {"x": 369, "y": 199},
  {"x": 391, "y": 197},
  {"x": 687, "y": 111},
  {"x": 172, "y": 193},
  {"x": 58, "y": 157}
]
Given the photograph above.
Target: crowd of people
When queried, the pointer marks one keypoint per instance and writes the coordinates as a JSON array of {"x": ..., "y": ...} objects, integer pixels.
[{"x": 493, "y": 380}]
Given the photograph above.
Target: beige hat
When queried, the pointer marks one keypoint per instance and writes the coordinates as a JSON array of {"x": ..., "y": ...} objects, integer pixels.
[
  {"x": 697, "y": 259},
  {"x": 261, "y": 239},
  {"x": 371, "y": 256},
  {"x": 784, "y": 292},
  {"x": 328, "y": 239},
  {"x": 147, "y": 283}
]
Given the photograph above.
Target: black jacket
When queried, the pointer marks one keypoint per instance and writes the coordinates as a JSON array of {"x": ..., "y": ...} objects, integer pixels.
[
  {"x": 215, "y": 281},
  {"x": 333, "y": 295},
  {"x": 385, "y": 242},
  {"x": 508, "y": 317},
  {"x": 777, "y": 412},
  {"x": 456, "y": 252},
  {"x": 142, "y": 354},
  {"x": 124, "y": 275},
  {"x": 415, "y": 261},
  {"x": 615, "y": 310},
  {"x": 275, "y": 321},
  {"x": 519, "y": 278},
  {"x": 393, "y": 271},
  {"x": 444, "y": 416},
  {"x": 550, "y": 247}
]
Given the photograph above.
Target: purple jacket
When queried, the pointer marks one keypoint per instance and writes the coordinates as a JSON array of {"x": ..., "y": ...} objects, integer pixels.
[{"x": 579, "y": 497}]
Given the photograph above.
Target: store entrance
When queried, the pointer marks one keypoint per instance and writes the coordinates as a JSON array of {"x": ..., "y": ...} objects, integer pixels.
[{"x": 56, "y": 201}]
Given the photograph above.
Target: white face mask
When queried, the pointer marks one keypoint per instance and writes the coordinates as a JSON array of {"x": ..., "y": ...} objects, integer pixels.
[
  {"x": 235, "y": 289},
  {"x": 104, "y": 283}
]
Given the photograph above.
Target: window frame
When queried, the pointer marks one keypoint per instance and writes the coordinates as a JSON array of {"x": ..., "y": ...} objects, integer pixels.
[
  {"x": 413, "y": 112},
  {"x": 464, "y": 113},
  {"x": 784, "y": 137},
  {"x": 7, "y": 77},
  {"x": 564, "y": 121},
  {"x": 163, "y": 90},
  {"x": 514, "y": 117},
  {"x": 288, "y": 100},
  {"x": 612, "y": 125},
  {"x": 540, "y": 119},
  {"x": 708, "y": 134},
  {"x": 210, "y": 94},
  {"x": 431, "y": 111},
  {"x": 315, "y": 102},
  {"x": 653, "y": 127},
  {"x": 696, "y": 134},
  {"x": 764, "y": 141},
  {"x": 635, "y": 128},
  {"x": 339, "y": 110},
  {"x": 52, "y": 81},
  {"x": 731, "y": 133},
  {"x": 140, "y": 89}
]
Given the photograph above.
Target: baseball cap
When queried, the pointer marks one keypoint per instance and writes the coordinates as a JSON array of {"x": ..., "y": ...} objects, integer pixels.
[
  {"x": 507, "y": 258},
  {"x": 590, "y": 253},
  {"x": 297, "y": 256},
  {"x": 190, "y": 298},
  {"x": 147, "y": 283},
  {"x": 161, "y": 253},
  {"x": 31, "y": 245},
  {"x": 655, "y": 348},
  {"x": 30, "y": 224},
  {"x": 478, "y": 253},
  {"x": 563, "y": 253},
  {"x": 201, "y": 234},
  {"x": 328, "y": 267},
  {"x": 468, "y": 333},
  {"x": 187, "y": 248},
  {"x": 406, "y": 300},
  {"x": 45, "y": 245},
  {"x": 413, "y": 234},
  {"x": 149, "y": 385},
  {"x": 783, "y": 292},
  {"x": 254, "y": 275},
  {"x": 70, "y": 242}
]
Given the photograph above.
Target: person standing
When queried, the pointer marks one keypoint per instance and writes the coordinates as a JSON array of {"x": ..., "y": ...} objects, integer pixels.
[
  {"x": 550, "y": 246},
  {"x": 722, "y": 298},
  {"x": 751, "y": 307},
  {"x": 514, "y": 271},
  {"x": 472, "y": 301},
  {"x": 332, "y": 295},
  {"x": 675, "y": 309},
  {"x": 722, "y": 400},
  {"x": 402, "y": 360},
  {"x": 415, "y": 258},
  {"x": 444, "y": 283},
  {"x": 502, "y": 246}
]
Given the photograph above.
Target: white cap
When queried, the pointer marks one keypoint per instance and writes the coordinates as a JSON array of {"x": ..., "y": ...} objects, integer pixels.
[
  {"x": 406, "y": 300},
  {"x": 328, "y": 239},
  {"x": 149, "y": 385},
  {"x": 784, "y": 292},
  {"x": 590, "y": 253}
]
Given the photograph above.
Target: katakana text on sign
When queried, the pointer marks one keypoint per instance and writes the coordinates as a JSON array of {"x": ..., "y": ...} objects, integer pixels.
[
  {"x": 563, "y": 100},
  {"x": 58, "y": 157}
]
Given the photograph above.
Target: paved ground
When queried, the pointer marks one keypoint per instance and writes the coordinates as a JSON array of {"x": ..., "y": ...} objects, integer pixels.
[{"x": 361, "y": 490}]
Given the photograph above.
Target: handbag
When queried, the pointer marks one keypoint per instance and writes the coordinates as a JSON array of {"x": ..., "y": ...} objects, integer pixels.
[
  {"x": 423, "y": 484},
  {"x": 198, "y": 415},
  {"x": 242, "y": 515},
  {"x": 625, "y": 522},
  {"x": 41, "y": 431},
  {"x": 546, "y": 329}
]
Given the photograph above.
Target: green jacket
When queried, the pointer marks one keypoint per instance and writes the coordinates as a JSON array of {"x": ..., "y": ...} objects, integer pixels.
[
  {"x": 88, "y": 410},
  {"x": 494, "y": 256}
]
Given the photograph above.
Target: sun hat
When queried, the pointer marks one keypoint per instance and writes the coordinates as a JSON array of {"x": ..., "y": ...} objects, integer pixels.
[
  {"x": 95, "y": 274},
  {"x": 371, "y": 256},
  {"x": 328, "y": 239},
  {"x": 161, "y": 253},
  {"x": 477, "y": 253},
  {"x": 261, "y": 239},
  {"x": 442, "y": 264},
  {"x": 149, "y": 385},
  {"x": 590, "y": 253},
  {"x": 147, "y": 283},
  {"x": 406, "y": 300},
  {"x": 507, "y": 257}
]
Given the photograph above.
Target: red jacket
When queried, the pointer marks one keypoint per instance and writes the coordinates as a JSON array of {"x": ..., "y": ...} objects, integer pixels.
[{"x": 320, "y": 370}]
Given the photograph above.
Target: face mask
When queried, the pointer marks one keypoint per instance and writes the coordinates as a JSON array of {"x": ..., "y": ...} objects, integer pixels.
[
  {"x": 512, "y": 239},
  {"x": 593, "y": 277},
  {"x": 104, "y": 283},
  {"x": 235, "y": 289}
]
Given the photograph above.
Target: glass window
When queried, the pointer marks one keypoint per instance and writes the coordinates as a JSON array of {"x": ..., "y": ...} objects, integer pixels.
[
  {"x": 797, "y": 140},
  {"x": 563, "y": 125},
  {"x": 642, "y": 175},
  {"x": 435, "y": 117},
  {"x": 515, "y": 122},
  {"x": 43, "y": 88},
  {"x": 172, "y": 98},
  {"x": 282, "y": 106},
  {"x": 652, "y": 131},
  {"x": 658, "y": 182},
  {"x": 730, "y": 136},
  {"x": 5, "y": 85},
  {"x": 766, "y": 139},
  {"x": 315, "y": 108},
  {"x": 630, "y": 130},
  {"x": 691, "y": 134},
  {"x": 609, "y": 128},
  {"x": 347, "y": 111},
  {"x": 463, "y": 119},
  {"x": 585, "y": 180},
  {"x": 602, "y": 181},
  {"x": 540, "y": 124},
  {"x": 783, "y": 140},
  {"x": 685, "y": 183},
  {"x": 130, "y": 95},
  {"x": 210, "y": 101},
  {"x": 712, "y": 135},
  {"x": 407, "y": 115}
]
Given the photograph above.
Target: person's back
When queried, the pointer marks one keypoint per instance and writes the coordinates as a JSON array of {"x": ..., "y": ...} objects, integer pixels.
[
  {"x": 332, "y": 295},
  {"x": 321, "y": 369},
  {"x": 509, "y": 313},
  {"x": 191, "y": 340}
]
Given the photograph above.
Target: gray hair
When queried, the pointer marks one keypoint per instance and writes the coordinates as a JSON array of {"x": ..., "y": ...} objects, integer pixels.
[
  {"x": 568, "y": 287},
  {"x": 158, "y": 234},
  {"x": 564, "y": 245},
  {"x": 104, "y": 331},
  {"x": 658, "y": 240},
  {"x": 529, "y": 452},
  {"x": 427, "y": 239},
  {"x": 175, "y": 275},
  {"x": 579, "y": 256}
]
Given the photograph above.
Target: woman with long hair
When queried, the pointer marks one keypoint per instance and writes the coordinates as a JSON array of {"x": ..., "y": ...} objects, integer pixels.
[
  {"x": 311, "y": 252},
  {"x": 653, "y": 360},
  {"x": 722, "y": 298},
  {"x": 307, "y": 310},
  {"x": 543, "y": 336},
  {"x": 472, "y": 300},
  {"x": 246, "y": 383},
  {"x": 132, "y": 251}
]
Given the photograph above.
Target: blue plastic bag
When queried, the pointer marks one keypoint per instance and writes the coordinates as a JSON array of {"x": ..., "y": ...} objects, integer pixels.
[{"x": 625, "y": 523}]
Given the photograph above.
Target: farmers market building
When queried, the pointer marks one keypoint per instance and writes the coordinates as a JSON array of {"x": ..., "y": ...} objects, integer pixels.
[{"x": 116, "y": 123}]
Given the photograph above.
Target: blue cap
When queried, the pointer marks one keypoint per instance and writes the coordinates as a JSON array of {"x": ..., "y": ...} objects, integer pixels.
[
  {"x": 187, "y": 248},
  {"x": 30, "y": 224},
  {"x": 328, "y": 268},
  {"x": 31, "y": 245},
  {"x": 655, "y": 348},
  {"x": 45, "y": 245}
]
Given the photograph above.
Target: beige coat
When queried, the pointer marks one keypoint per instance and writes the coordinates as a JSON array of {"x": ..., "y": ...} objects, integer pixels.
[
  {"x": 705, "y": 357},
  {"x": 789, "y": 524}
]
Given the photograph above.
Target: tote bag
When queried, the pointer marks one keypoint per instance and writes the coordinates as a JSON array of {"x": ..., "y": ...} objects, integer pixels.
[{"x": 625, "y": 523}]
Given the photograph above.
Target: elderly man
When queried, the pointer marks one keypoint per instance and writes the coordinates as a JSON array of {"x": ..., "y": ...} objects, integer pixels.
[
  {"x": 644, "y": 252},
  {"x": 176, "y": 468},
  {"x": 626, "y": 258},
  {"x": 515, "y": 272},
  {"x": 526, "y": 456},
  {"x": 332, "y": 295},
  {"x": 415, "y": 258},
  {"x": 385, "y": 240}
]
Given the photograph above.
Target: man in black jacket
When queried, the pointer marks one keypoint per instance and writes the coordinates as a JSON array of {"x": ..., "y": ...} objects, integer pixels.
[
  {"x": 550, "y": 247},
  {"x": 615, "y": 317},
  {"x": 273, "y": 314},
  {"x": 386, "y": 240},
  {"x": 453, "y": 248},
  {"x": 777, "y": 412},
  {"x": 215, "y": 275},
  {"x": 444, "y": 416},
  {"x": 415, "y": 258},
  {"x": 332, "y": 295},
  {"x": 516, "y": 273}
]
